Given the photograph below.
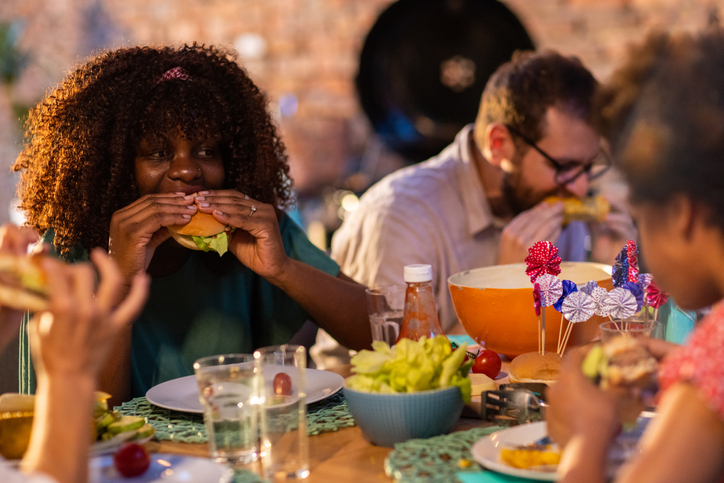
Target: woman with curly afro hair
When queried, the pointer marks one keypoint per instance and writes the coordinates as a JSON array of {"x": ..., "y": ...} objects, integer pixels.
[{"x": 140, "y": 139}]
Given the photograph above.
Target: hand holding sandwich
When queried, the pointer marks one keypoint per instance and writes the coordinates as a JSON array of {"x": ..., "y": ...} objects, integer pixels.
[
  {"x": 256, "y": 241},
  {"x": 138, "y": 229},
  {"x": 14, "y": 242}
]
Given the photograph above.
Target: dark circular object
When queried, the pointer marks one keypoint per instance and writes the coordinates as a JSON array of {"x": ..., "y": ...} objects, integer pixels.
[{"x": 424, "y": 66}]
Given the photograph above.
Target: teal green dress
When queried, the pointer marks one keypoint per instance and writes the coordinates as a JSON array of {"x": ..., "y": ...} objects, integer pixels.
[{"x": 210, "y": 306}]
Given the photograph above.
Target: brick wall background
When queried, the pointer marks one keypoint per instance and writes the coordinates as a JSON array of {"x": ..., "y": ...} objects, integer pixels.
[{"x": 306, "y": 60}]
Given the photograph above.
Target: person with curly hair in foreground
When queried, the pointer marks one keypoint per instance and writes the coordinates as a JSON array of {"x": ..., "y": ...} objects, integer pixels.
[
  {"x": 140, "y": 139},
  {"x": 665, "y": 114}
]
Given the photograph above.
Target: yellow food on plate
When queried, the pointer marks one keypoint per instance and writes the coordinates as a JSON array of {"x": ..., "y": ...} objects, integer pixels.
[{"x": 541, "y": 458}]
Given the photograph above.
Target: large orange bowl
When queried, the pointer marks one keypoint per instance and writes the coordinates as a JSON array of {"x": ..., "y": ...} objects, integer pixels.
[{"x": 495, "y": 306}]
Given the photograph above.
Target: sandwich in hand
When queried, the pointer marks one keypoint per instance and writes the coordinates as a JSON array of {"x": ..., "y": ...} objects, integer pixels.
[
  {"x": 203, "y": 232},
  {"x": 626, "y": 368},
  {"x": 620, "y": 362},
  {"x": 23, "y": 283},
  {"x": 594, "y": 209}
]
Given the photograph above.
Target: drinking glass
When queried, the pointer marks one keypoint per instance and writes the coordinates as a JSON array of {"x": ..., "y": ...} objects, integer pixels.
[
  {"x": 284, "y": 451},
  {"x": 386, "y": 306},
  {"x": 229, "y": 390},
  {"x": 631, "y": 327}
]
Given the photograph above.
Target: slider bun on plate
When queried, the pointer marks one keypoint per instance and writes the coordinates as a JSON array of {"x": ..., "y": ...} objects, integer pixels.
[
  {"x": 23, "y": 282},
  {"x": 535, "y": 367},
  {"x": 201, "y": 224}
]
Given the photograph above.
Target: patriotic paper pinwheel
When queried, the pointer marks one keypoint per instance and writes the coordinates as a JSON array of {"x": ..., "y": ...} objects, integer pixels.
[
  {"x": 620, "y": 303},
  {"x": 654, "y": 296},
  {"x": 598, "y": 295},
  {"x": 633, "y": 261},
  {"x": 644, "y": 280},
  {"x": 636, "y": 291},
  {"x": 536, "y": 298},
  {"x": 568, "y": 288},
  {"x": 542, "y": 259},
  {"x": 589, "y": 286},
  {"x": 619, "y": 270},
  {"x": 578, "y": 307},
  {"x": 550, "y": 288}
]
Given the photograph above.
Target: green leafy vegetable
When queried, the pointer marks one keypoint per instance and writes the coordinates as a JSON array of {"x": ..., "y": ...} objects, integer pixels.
[
  {"x": 411, "y": 366},
  {"x": 217, "y": 243}
]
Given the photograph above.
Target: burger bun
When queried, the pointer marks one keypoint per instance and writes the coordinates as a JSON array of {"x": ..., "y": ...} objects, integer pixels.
[
  {"x": 201, "y": 224},
  {"x": 535, "y": 367}
]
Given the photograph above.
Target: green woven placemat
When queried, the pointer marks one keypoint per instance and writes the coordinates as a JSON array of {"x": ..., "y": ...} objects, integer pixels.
[
  {"x": 435, "y": 459},
  {"x": 324, "y": 416}
]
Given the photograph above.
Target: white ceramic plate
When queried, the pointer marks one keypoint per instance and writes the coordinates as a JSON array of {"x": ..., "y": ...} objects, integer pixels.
[
  {"x": 164, "y": 468},
  {"x": 487, "y": 450},
  {"x": 182, "y": 394}
]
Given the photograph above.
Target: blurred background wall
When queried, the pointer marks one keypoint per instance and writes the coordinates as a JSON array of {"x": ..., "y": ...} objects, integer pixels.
[{"x": 303, "y": 53}]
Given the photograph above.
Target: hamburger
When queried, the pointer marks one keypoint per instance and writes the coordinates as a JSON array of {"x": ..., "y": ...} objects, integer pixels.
[
  {"x": 535, "y": 367},
  {"x": 620, "y": 362},
  {"x": 202, "y": 232},
  {"x": 23, "y": 283},
  {"x": 626, "y": 369},
  {"x": 593, "y": 209}
]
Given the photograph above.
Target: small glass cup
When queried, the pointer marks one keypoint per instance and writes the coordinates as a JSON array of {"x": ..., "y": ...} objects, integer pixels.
[
  {"x": 284, "y": 440},
  {"x": 229, "y": 388},
  {"x": 631, "y": 327},
  {"x": 386, "y": 307}
]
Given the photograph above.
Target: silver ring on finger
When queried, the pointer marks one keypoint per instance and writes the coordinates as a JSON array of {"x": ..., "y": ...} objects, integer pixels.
[{"x": 252, "y": 211}]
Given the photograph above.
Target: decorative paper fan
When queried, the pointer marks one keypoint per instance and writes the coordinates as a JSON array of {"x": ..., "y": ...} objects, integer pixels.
[
  {"x": 578, "y": 307},
  {"x": 550, "y": 289},
  {"x": 620, "y": 303},
  {"x": 542, "y": 259},
  {"x": 598, "y": 295},
  {"x": 568, "y": 288}
]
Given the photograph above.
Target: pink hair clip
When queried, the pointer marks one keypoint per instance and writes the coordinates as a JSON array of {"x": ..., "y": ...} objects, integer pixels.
[{"x": 175, "y": 73}]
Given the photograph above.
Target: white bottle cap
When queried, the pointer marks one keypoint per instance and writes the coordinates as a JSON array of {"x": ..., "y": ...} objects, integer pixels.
[{"x": 418, "y": 273}]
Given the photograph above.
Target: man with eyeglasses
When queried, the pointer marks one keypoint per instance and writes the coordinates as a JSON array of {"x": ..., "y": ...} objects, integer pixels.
[{"x": 480, "y": 201}]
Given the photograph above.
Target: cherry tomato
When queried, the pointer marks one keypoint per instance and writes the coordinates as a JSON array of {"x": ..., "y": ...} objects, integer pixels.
[
  {"x": 131, "y": 460},
  {"x": 487, "y": 362},
  {"x": 282, "y": 384}
]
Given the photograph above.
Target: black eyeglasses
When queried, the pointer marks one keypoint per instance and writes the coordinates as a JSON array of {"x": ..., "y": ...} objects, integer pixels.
[{"x": 568, "y": 172}]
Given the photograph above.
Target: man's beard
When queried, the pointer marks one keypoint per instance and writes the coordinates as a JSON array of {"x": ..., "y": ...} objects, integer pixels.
[{"x": 521, "y": 198}]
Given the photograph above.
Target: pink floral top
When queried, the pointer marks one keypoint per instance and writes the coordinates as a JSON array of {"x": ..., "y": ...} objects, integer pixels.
[{"x": 700, "y": 362}]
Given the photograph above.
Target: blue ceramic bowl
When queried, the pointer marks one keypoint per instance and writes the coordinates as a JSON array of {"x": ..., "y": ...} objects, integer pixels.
[{"x": 386, "y": 419}]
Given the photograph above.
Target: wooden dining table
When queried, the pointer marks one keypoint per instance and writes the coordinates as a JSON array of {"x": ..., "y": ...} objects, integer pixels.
[{"x": 343, "y": 455}]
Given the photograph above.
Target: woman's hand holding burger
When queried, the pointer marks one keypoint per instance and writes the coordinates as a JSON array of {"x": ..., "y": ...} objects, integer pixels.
[
  {"x": 257, "y": 242},
  {"x": 139, "y": 228}
]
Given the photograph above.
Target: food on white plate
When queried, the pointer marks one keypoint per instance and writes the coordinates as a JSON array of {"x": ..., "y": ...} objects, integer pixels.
[
  {"x": 23, "y": 283},
  {"x": 538, "y": 457},
  {"x": 202, "y": 232},
  {"x": 593, "y": 209},
  {"x": 16, "y": 420},
  {"x": 131, "y": 460},
  {"x": 535, "y": 367}
]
